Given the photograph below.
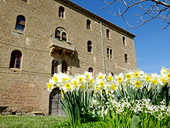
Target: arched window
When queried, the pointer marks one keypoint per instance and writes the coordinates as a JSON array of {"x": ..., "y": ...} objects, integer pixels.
[
  {"x": 124, "y": 41},
  {"x": 126, "y": 59},
  {"x": 61, "y": 12},
  {"x": 107, "y": 33},
  {"x": 88, "y": 24},
  {"x": 20, "y": 23},
  {"x": 89, "y": 46},
  {"x": 57, "y": 34},
  {"x": 64, "y": 38},
  {"x": 54, "y": 67},
  {"x": 16, "y": 57},
  {"x": 109, "y": 52},
  {"x": 90, "y": 70},
  {"x": 64, "y": 67}
]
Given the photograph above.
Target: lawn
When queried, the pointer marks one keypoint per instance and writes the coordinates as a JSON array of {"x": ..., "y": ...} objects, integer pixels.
[{"x": 32, "y": 121}]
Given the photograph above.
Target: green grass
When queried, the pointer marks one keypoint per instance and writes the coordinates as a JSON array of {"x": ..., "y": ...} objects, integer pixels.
[{"x": 33, "y": 122}]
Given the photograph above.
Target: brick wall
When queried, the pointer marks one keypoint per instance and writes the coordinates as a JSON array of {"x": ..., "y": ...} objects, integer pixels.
[{"x": 24, "y": 90}]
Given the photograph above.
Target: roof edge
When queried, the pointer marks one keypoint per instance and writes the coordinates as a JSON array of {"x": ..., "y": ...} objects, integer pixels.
[{"x": 68, "y": 2}]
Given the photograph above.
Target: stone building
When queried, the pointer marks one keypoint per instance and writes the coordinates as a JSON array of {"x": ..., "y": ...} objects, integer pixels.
[{"x": 41, "y": 37}]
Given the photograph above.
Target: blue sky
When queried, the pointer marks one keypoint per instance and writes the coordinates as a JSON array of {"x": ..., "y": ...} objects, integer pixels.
[{"x": 152, "y": 44}]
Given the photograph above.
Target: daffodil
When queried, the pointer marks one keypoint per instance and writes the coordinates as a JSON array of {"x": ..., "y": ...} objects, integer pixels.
[
  {"x": 100, "y": 76},
  {"x": 83, "y": 86},
  {"x": 91, "y": 84},
  {"x": 163, "y": 70},
  {"x": 138, "y": 73},
  {"x": 57, "y": 79},
  {"x": 101, "y": 84},
  {"x": 110, "y": 77},
  {"x": 50, "y": 85},
  {"x": 88, "y": 75},
  {"x": 120, "y": 78},
  {"x": 138, "y": 83},
  {"x": 155, "y": 80},
  {"x": 67, "y": 86}
]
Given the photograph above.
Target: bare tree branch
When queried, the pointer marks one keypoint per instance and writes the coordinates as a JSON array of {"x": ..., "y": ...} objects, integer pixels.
[{"x": 159, "y": 9}]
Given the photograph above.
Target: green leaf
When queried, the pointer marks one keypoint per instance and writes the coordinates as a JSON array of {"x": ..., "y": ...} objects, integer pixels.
[{"x": 135, "y": 122}]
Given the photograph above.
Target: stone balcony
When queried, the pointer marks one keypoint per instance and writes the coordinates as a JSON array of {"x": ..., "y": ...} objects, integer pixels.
[{"x": 62, "y": 46}]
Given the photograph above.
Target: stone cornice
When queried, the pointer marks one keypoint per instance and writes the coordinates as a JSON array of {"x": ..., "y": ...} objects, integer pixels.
[{"x": 105, "y": 22}]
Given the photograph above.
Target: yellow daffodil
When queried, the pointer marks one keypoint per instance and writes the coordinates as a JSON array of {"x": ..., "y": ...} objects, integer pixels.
[
  {"x": 148, "y": 78},
  {"x": 101, "y": 84},
  {"x": 113, "y": 87},
  {"x": 67, "y": 85},
  {"x": 138, "y": 84},
  {"x": 109, "y": 78},
  {"x": 136, "y": 74},
  {"x": 128, "y": 76},
  {"x": 119, "y": 79}
]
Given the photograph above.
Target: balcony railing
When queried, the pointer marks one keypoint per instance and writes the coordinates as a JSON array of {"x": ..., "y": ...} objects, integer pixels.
[{"x": 60, "y": 45}]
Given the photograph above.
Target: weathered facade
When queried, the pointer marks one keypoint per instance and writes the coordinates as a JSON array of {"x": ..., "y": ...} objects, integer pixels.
[{"x": 40, "y": 37}]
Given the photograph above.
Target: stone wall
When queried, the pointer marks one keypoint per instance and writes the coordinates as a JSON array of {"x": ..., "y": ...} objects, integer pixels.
[{"x": 24, "y": 90}]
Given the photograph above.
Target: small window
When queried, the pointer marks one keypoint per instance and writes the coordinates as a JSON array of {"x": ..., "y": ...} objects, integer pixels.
[
  {"x": 107, "y": 33},
  {"x": 88, "y": 24},
  {"x": 57, "y": 34},
  {"x": 126, "y": 59},
  {"x": 16, "y": 57},
  {"x": 64, "y": 67},
  {"x": 25, "y": 1},
  {"x": 64, "y": 38},
  {"x": 124, "y": 41},
  {"x": 109, "y": 52},
  {"x": 20, "y": 23},
  {"x": 54, "y": 67},
  {"x": 61, "y": 12},
  {"x": 89, "y": 46},
  {"x": 90, "y": 70}
]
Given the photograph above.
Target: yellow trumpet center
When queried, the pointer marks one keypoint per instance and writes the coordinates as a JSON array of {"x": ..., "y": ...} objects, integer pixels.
[
  {"x": 101, "y": 84},
  {"x": 113, "y": 87},
  {"x": 168, "y": 75},
  {"x": 154, "y": 81},
  {"x": 109, "y": 78},
  {"x": 128, "y": 76},
  {"x": 119, "y": 79},
  {"x": 75, "y": 83},
  {"x": 80, "y": 79},
  {"x": 91, "y": 81},
  {"x": 138, "y": 84},
  {"x": 148, "y": 78},
  {"x": 100, "y": 77},
  {"x": 67, "y": 85},
  {"x": 55, "y": 79},
  {"x": 136, "y": 74},
  {"x": 163, "y": 80},
  {"x": 65, "y": 79},
  {"x": 49, "y": 85},
  {"x": 97, "y": 88}
]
